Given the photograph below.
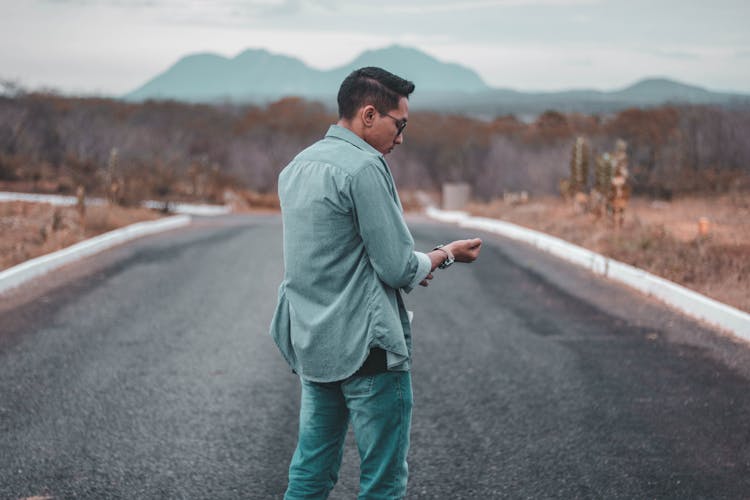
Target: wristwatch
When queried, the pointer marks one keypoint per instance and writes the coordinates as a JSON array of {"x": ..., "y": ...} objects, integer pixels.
[{"x": 449, "y": 259}]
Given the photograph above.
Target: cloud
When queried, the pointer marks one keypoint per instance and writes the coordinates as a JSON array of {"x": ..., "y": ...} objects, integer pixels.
[
  {"x": 116, "y": 3},
  {"x": 674, "y": 54},
  {"x": 255, "y": 7},
  {"x": 295, "y": 7},
  {"x": 453, "y": 6},
  {"x": 581, "y": 62}
]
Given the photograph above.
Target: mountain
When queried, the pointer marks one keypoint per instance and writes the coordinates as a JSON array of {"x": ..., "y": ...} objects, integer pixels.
[
  {"x": 257, "y": 75},
  {"x": 254, "y": 73},
  {"x": 656, "y": 90},
  {"x": 645, "y": 93},
  {"x": 427, "y": 73}
]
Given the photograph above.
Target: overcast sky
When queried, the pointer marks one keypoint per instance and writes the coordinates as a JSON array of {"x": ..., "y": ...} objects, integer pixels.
[{"x": 113, "y": 46}]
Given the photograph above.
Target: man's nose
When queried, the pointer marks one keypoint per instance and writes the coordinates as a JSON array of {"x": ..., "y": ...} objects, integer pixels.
[{"x": 399, "y": 138}]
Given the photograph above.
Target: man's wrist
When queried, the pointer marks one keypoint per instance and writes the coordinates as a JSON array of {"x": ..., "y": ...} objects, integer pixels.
[
  {"x": 436, "y": 258},
  {"x": 449, "y": 258}
]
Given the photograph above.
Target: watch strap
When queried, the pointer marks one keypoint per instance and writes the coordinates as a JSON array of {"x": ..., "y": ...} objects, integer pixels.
[{"x": 450, "y": 259}]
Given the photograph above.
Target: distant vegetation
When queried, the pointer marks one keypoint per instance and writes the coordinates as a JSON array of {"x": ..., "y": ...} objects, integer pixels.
[{"x": 169, "y": 150}]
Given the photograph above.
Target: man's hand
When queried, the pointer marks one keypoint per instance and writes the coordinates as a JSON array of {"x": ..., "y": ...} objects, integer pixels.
[
  {"x": 462, "y": 250},
  {"x": 426, "y": 281},
  {"x": 465, "y": 250}
]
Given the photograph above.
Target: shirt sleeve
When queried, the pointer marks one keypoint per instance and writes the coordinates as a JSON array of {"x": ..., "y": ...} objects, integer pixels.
[
  {"x": 425, "y": 266},
  {"x": 387, "y": 240}
]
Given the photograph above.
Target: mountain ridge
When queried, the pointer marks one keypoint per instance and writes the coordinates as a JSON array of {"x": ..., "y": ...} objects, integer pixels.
[{"x": 256, "y": 75}]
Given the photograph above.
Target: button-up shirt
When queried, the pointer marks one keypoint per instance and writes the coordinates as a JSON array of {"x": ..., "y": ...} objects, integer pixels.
[{"x": 347, "y": 254}]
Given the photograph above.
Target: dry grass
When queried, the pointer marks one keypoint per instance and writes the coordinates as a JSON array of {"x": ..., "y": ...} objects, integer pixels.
[
  {"x": 251, "y": 201},
  {"x": 33, "y": 229},
  {"x": 660, "y": 237}
]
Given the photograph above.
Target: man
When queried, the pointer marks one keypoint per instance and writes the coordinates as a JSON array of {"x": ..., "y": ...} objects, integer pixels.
[{"x": 340, "y": 321}]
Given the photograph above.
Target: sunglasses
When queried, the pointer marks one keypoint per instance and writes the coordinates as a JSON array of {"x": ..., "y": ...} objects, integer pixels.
[{"x": 400, "y": 124}]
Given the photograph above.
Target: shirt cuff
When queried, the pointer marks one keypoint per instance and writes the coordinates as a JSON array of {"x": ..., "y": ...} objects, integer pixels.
[{"x": 423, "y": 269}]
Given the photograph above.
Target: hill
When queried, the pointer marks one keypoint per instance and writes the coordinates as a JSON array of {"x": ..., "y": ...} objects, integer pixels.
[{"x": 259, "y": 76}]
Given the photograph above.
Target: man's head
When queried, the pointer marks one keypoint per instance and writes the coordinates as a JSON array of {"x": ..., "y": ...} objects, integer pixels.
[{"x": 373, "y": 103}]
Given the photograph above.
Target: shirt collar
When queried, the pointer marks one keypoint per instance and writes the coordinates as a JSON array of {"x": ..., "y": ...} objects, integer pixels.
[{"x": 347, "y": 135}]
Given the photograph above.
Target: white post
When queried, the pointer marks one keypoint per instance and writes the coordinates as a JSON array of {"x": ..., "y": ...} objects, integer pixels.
[{"x": 455, "y": 195}]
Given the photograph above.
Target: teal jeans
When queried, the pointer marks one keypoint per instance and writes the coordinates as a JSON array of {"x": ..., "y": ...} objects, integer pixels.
[{"x": 379, "y": 408}]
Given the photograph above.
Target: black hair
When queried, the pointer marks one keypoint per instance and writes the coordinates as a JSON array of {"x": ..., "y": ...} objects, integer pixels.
[{"x": 371, "y": 85}]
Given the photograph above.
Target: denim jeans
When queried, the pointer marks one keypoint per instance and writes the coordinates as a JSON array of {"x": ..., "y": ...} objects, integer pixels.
[{"x": 379, "y": 408}]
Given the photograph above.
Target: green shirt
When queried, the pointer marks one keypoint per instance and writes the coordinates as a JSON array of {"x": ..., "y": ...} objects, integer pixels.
[{"x": 347, "y": 253}]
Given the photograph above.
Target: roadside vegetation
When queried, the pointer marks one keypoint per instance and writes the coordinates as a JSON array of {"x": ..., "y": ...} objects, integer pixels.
[
  {"x": 33, "y": 229},
  {"x": 192, "y": 152},
  {"x": 684, "y": 163},
  {"x": 666, "y": 238}
]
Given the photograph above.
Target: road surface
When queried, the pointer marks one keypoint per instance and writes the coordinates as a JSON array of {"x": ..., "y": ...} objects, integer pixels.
[{"x": 146, "y": 372}]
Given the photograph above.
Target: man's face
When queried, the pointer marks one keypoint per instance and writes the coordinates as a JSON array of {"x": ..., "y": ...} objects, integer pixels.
[{"x": 384, "y": 135}]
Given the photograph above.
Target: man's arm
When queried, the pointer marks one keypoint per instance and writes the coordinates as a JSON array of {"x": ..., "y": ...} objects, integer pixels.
[
  {"x": 462, "y": 251},
  {"x": 380, "y": 223}
]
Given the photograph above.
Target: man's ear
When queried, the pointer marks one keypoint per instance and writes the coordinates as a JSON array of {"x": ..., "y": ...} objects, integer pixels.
[{"x": 368, "y": 115}]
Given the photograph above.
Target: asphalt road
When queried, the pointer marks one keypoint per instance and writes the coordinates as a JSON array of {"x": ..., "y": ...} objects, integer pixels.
[{"x": 147, "y": 372}]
